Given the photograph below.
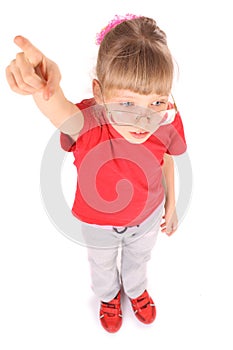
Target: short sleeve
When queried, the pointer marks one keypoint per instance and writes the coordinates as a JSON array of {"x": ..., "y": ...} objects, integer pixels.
[
  {"x": 86, "y": 106},
  {"x": 67, "y": 143},
  {"x": 177, "y": 143}
]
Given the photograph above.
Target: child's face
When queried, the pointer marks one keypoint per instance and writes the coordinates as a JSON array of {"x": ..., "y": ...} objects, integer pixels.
[{"x": 146, "y": 104}]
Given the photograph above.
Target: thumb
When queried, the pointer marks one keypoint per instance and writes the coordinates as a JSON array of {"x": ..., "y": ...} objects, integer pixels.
[
  {"x": 33, "y": 55},
  {"x": 52, "y": 80}
]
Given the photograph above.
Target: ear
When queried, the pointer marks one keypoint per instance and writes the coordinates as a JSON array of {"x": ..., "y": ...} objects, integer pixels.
[{"x": 96, "y": 89}]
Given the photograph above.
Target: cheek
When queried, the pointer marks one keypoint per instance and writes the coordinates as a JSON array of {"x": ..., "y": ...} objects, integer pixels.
[{"x": 121, "y": 129}]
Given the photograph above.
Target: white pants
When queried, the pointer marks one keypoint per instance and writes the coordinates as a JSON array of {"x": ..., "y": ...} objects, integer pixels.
[{"x": 133, "y": 245}]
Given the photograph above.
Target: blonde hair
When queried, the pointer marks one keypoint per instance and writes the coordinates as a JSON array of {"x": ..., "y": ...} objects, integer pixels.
[{"x": 134, "y": 56}]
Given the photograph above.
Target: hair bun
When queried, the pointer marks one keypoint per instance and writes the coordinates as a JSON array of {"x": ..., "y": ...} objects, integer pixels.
[{"x": 150, "y": 29}]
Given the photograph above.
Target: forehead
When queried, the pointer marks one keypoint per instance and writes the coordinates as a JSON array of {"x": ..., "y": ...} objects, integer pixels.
[{"x": 131, "y": 95}]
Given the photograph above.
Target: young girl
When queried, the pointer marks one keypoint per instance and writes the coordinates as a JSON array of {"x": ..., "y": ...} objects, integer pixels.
[{"x": 123, "y": 140}]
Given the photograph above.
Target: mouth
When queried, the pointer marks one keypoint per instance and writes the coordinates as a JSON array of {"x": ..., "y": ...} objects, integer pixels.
[{"x": 139, "y": 134}]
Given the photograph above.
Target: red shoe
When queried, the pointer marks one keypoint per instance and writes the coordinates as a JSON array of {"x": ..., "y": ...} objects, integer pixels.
[
  {"x": 144, "y": 308},
  {"x": 111, "y": 314}
]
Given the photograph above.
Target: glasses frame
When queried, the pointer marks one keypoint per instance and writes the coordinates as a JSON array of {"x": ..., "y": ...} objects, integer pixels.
[{"x": 138, "y": 117}]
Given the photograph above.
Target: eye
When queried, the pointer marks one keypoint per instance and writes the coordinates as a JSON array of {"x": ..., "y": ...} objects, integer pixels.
[
  {"x": 127, "y": 104},
  {"x": 158, "y": 103}
]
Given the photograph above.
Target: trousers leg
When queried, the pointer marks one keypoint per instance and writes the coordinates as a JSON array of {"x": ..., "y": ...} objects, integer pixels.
[
  {"x": 136, "y": 252},
  {"x": 103, "y": 262},
  {"x": 104, "y": 273}
]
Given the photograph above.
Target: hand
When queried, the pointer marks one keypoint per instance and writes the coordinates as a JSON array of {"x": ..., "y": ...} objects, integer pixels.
[
  {"x": 31, "y": 72},
  {"x": 170, "y": 224}
]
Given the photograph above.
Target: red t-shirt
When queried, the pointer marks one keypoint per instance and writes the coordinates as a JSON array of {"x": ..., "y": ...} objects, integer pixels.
[{"x": 119, "y": 183}]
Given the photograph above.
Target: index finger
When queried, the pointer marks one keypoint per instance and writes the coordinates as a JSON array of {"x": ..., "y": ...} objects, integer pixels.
[{"x": 34, "y": 55}]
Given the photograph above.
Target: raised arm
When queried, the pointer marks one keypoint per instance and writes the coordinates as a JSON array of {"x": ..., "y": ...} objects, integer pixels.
[{"x": 32, "y": 73}]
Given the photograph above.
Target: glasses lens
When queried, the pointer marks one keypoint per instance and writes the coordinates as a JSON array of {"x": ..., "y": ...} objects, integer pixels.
[
  {"x": 141, "y": 117},
  {"x": 168, "y": 116}
]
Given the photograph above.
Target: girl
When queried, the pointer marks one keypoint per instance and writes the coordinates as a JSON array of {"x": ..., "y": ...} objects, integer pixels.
[{"x": 122, "y": 140}]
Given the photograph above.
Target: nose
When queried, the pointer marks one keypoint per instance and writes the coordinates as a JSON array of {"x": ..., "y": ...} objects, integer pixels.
[{"x": 142, "y": 121}]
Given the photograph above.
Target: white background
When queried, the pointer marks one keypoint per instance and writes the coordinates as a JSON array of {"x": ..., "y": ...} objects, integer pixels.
[{"x": 45, "y": 297}]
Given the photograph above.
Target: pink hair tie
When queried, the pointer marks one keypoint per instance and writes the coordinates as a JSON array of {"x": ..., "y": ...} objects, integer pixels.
[{"x": 112, "y": 24}]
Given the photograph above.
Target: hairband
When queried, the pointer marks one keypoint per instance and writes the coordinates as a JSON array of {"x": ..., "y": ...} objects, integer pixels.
[{"x": 112, "y": 24}]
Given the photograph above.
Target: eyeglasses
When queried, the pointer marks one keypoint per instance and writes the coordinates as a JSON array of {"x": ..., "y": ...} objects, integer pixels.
[{"x": 144, "y": 118}]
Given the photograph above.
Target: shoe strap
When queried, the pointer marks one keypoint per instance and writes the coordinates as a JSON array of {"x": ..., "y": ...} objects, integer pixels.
[
  {"x": 140, "y": 303},
  {"x": 111, "y": 308}
]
